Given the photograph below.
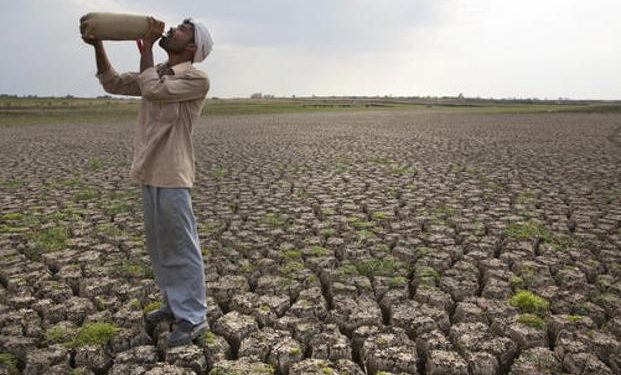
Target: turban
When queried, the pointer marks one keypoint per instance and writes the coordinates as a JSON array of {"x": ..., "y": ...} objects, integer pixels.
[{"x": 202, "y": 40}]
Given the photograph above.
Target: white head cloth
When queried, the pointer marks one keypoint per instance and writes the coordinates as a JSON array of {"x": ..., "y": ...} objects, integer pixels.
[{"x": 203, "y": 41}]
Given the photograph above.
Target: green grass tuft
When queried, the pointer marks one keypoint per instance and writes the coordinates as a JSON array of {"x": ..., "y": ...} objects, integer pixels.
[
  {"x": 528, "y": 231},
  {"x": 379, "y": 267},
  {"x": 96, "y": 333},
  {"x": 95, "y": 164},
  {"x": 273, "y": 220},
  {"x": 49, "y": 240},
  {"x": 528, "y": 302},
  {"x": 531, "y": 320},
  {"x": 9, "y": 363},
  {"x": 151, "y": 306}
]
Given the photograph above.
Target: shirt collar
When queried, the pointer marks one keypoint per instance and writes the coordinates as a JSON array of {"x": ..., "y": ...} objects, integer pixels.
[{"x": 181, "y": 67}]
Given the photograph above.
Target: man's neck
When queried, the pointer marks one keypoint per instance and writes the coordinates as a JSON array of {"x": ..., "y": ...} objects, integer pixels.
[{"x": 176, "y": 59}]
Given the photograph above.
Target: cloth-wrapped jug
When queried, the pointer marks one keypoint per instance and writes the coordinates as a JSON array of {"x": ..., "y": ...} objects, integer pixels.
[{"x": 114, "y": 26}]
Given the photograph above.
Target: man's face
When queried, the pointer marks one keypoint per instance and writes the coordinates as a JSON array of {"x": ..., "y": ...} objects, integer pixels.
[{"x": 178, "y": 38}]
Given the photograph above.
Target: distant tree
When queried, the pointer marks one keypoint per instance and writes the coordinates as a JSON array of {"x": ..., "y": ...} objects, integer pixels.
[{"x": 256, "y": 95}]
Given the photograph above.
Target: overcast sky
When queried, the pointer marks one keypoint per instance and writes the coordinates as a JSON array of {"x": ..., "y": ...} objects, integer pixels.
[{"x": 486, "y": 48}]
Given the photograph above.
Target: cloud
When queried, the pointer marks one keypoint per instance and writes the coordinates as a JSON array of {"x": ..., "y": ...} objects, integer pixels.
[{"x": 496, "y": 48}]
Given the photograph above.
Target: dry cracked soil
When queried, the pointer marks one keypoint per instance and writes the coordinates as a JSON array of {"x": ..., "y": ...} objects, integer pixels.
[{"x": 388, "y": 242}]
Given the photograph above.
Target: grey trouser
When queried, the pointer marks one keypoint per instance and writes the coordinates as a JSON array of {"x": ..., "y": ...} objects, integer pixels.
[{"x": 172, "y": 244}]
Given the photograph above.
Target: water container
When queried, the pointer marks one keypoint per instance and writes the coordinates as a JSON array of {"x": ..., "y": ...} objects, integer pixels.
[{"x": 114, "y": 26}]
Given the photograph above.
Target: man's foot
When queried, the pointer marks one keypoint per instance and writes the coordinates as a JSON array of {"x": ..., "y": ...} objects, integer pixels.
[
  {"x": 185, "y": 332},
  {"x": 157, "y": 316}
]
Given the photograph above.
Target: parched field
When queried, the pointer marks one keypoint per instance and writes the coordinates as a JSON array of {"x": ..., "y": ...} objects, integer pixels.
[{"x": 343, "y": 242}]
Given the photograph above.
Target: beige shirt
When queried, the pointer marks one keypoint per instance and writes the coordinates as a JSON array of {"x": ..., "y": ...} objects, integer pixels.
[{"x": 169, "y": 109}]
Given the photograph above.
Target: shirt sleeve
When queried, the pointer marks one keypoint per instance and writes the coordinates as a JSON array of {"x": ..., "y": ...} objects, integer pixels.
[
  {"x": 166, "y": 89},
  {"x": 119, "y": 84}
]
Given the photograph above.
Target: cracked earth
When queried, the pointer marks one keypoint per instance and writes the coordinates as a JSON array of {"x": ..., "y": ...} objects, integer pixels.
[{"x": 393, "y": 242}]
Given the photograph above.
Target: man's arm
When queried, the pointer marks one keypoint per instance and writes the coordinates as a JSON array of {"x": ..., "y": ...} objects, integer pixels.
[
  {"x": 112, "y": 82},
  {"x": 103, "y": 64},
  {"x": 155, "y": 31}
]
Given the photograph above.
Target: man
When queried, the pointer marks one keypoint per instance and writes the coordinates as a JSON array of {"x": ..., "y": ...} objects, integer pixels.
[{"x": 173, "y": 94}]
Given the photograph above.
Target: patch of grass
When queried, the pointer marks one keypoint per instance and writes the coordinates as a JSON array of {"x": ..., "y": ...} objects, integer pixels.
[
  {"x": 99, "y": 304},
  {"x": 428, "y": 273},
  {"x": 563, "y": 242},
  {"x": 378, "y": 216},
  {"x": 574, "y": 318},
  {"x": 292, "y": 254},
  {"x": 397, "y": 281},
  {"x": 134, "y": 304},
  {"x": 207, "y": 228},
  {"x": 49, "y": 240},
  {"x": 381, "y": 160},
  {"x": 9, "y": 363},
  {"x": 14, "y": 216},
  {"x": 95, "y": 164},
  {"x": 357, "y": 223},
  {"x": 291, "y": 268},
  {"x": 85, "y": 194},
  {"x": 59, "y": 335},
  {"x": 364, "y": 235},
  {"x": 516, "y": 282},
  {"x": 135, "y": 270},
  {"x": 525, "y": 197},
  {"x": 402, "y": 170},
  {"x": 581, "y": 309},
  {"x": 109, "y": 230},
  {"x": 531, "y": 320},
  {"x": 328, "y": 211},
  {"x": 207, "y": 338},
  {"x": 72, "y": 182},
  {"x": 302, "y": 193},
  {"x": 379, "y": 267},
  {"x": 327, "y": 232},
  {"x": 340, "y": 168},
  {"x": 273, "y": 220},
  {"x": 319, "y": 251},
  {"x": 95, "y": 333},
  {"x": 217, "y": 173},
  {"x": 345, "y": 271},
  {"x": 11, "y": 185},
  {"x": 151, "y": 306},
  {"x": 115, "y": 207},
  {"x": 294, "y": 351},
  {"x": 528, "y": 231},
  {"x": 444, "y": 211},
  {"x": 422, "y": 251},
  {"x": 528, "y": 302}
]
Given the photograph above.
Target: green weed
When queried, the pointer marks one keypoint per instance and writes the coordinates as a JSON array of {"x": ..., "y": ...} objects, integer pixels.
[
  {"x": 528, "y": 302},
  {"x": 96, "y": 333},
  {"x": 528, "y": 231},
  {"x": 531, "y": 320},
  {"x": 95, "y": 164},
  {"x": 9, "y": 363}
]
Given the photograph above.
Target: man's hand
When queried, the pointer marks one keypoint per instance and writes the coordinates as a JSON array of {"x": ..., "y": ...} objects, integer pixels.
[
  {"x": 155, "y": 31},
  {"x": 87, "y": 38}
]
